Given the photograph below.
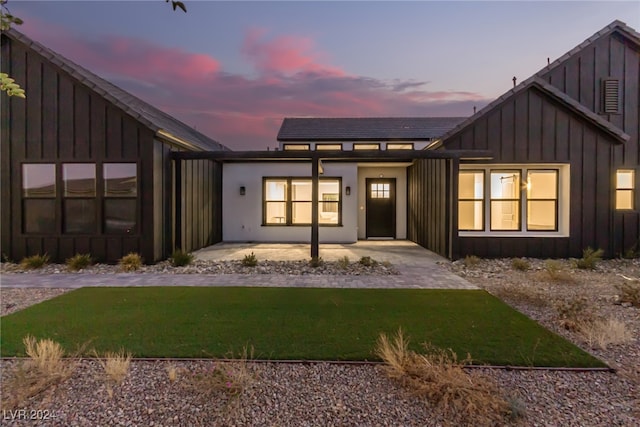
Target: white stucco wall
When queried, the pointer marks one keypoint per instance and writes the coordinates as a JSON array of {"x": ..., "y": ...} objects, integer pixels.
[
  {"x": 242, "y": 215},
  {"x": 397, "y": 172}
]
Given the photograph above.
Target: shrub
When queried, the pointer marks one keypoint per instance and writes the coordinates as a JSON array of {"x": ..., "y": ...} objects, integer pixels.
[
  {"x": 603, "y": 332},
  {"x": 34, "y": 262},
  {"x": 556, "y": 272},
  {"x": 367, "y": 261},
  {"x": 629, "y": 291},
  {"x": 589, "y": 259},
  {"x": 250, "y": 260},
  {"x": 229, "y": 377},
  {"x": 520, "y": 264},
  {"x": 130, "y": 262},
  {"x": 343, "y": 262},
  {"x": 180, "y": 259},
  {"x": 79, "y": 262},
  {"x": 172, "y": 372},
  {"x": 437, "y": 375},
  {"x": 575, "y": 313},
  {"x": 315, "y": 261},
  {"x": 44, "y": 368},
  {"x": 471, "y": 261},
  {"x": 116, "y": 367}
]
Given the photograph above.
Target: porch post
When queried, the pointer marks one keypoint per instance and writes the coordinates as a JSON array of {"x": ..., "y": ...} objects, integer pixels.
[
  {"x": 315, "y": 167},
  {"x": 177, "y": 243}
]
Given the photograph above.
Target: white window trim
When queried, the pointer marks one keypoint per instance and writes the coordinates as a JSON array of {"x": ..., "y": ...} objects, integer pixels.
[{"x": 564, "y": 186}]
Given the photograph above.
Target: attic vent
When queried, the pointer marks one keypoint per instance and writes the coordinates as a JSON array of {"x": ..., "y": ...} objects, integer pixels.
[{"x": 611, "y": 96}]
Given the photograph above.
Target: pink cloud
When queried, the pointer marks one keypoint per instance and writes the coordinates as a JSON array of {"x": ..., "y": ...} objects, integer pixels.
[
  {"x": 243, "y": 112},
  {"x": 284, "y": 54}
]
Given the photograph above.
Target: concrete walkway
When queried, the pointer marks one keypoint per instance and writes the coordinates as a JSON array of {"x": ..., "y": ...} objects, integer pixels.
[{"x": 419, "y": 269}]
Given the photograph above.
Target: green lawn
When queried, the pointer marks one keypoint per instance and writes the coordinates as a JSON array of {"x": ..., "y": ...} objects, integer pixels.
[{"x": 288, "y": 323}]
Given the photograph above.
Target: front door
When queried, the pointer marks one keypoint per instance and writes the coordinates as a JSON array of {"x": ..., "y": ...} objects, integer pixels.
[{"x": 381, "y": 207}]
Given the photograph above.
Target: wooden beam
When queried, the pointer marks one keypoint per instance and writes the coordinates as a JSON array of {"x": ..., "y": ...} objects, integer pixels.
[
  {"x": 358, "y": 155},
  {"x": 315, "y": 243}
]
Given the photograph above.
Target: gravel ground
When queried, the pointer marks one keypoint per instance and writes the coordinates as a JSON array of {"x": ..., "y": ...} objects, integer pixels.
[{"x": 322, "y": 394}]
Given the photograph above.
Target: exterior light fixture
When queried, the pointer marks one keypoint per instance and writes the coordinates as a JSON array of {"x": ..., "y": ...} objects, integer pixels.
[
  {"x": 243, "y": 190},
  {"x": 347, "y": 190}
]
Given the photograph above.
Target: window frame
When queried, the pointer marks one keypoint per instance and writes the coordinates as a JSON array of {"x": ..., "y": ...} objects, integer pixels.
[
  {"x": 556, "y": 200},
  {"x": 366, "y": 146},
  {"x": 52, "y": 198},
  {"x": 562, "y": 205},
  {"x": 518, "y": 200},
  {"x": 483, "y": 200},
  {"x": 72, "y": 198},
  {"x": 106, "y": 198},
  {"x": 288, "y": 220},
  {"x": 631, "y": 189}
]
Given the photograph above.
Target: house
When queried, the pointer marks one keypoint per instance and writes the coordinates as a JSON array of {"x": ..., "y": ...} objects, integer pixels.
[
  {"x": 86, "y": 166},
  {"x": 546, "y": 170}
]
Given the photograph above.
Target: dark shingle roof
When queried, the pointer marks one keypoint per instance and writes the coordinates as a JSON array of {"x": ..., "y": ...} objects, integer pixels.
[
  {"x": 365, "y": 128},
  {"x": 156, "y": 120}
]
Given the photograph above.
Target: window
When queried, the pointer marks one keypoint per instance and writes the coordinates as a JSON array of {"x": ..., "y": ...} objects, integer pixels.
[
  {"x": 366, "y": 146},
  {"x": 380, "y": 191},
  {"x": 625, "y": 185},
  {"x": 542, "y": 200},
  {"x": 505, "y": 200},
  {"x": 288, "y": 201},
  {"x": 296, "y": 147},
  {"x": 471, "y": 200},
  {"x": 79, "y": 191},
  {"x": 120, "y": 191},
  {"x": 301, "y": 201},
  {"x": 399, "y": 146},
  {"x": 320, "y": 147},
  {"x": 39, "y": 198},
  {"x": 275, "y": 201},
  {"x": 513, "y": 201}
]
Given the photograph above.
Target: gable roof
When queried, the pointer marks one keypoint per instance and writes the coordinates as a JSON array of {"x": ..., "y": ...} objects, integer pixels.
[
  {"x": 618, "y": 27},
  {"x": 365, "y": 128},
  {"x": 537, "y": 81},
  {"x": 165, "y": 126}
]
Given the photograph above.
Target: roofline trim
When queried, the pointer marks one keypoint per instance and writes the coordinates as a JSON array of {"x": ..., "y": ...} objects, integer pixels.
[{"x": 172, "y": 139}]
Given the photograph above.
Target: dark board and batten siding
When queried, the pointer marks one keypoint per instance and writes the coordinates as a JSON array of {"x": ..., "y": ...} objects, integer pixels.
[
  {"x": 430, "y": 185},
  {"x": 610, "y": 57},
  {"x": 62, "y": 121},
  {"x": 532, "y": 128},
  {"x": 200, "y": 205}
]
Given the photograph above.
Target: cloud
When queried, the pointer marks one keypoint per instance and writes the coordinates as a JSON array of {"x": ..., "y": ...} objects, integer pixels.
[
  {"x": 284, "y": 54},
  {"x": 244, "y": 112}
]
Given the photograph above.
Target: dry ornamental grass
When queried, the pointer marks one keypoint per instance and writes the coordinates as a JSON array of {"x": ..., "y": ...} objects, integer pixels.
[{"x": 437, "y": 375}]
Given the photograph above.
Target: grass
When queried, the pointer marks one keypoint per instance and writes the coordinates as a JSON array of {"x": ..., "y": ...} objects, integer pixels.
[{"x": 289, "y": 323}]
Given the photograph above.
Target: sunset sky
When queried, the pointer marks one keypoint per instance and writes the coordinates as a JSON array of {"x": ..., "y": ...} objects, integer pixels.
[{"x": 234, "y": 70}]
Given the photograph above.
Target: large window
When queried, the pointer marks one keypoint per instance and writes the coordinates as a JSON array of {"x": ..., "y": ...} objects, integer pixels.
[
  {"x": 288, "y": 201},
  {"x": 625, "y": 186},
  {"x": 499, "y": 200},
  {"x": 120, "y": 190},
  {"x": 39, "y": 198},
  {"x": 74, "y": 207}
]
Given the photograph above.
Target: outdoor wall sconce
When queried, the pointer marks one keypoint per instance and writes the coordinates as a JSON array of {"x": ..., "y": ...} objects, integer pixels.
[
  {"x": 347, "y": 190},
  {"x": 243, "y": 190}
]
